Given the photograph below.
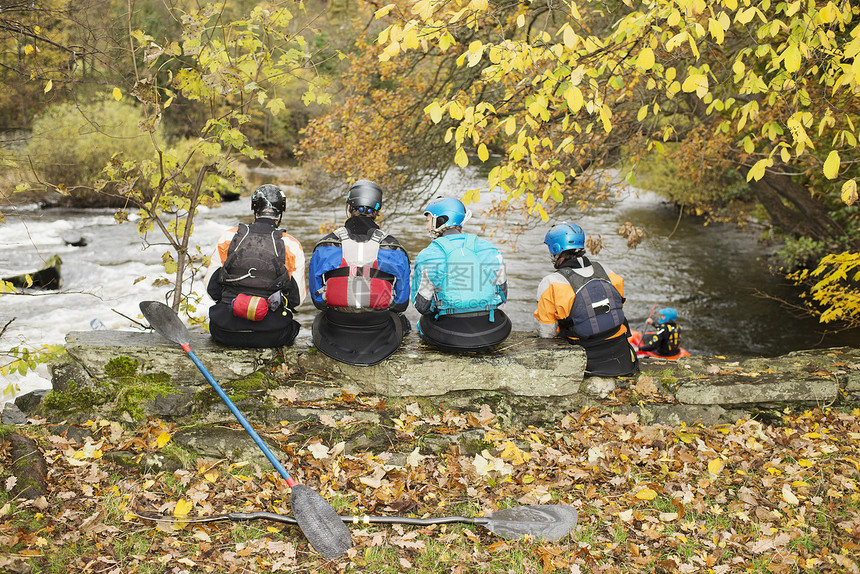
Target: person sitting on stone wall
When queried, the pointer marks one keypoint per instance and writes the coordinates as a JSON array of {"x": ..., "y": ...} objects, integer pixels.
[
  {"x": 583, "y": 301},
  {"x": 359, "y": 279},
  {"x": 459, "y": 283},
  {"x": 252, "y": 277}
]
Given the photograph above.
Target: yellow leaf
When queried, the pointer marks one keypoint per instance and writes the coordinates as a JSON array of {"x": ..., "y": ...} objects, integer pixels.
[
  {"x": 646, "y": 494},
  {"x": 573, "y": 95},
  {"x": 183, "y": 507},
  {"x": 789, "y": 496},
  {"x": 49, "y": 85},
  {"x": 569, "y": 37},
  {"x": 467, "y": 197},
  {"x": 163, "y": 439},
  {"x": 831, "y": 165},
  {"x": 434, "y": 111},
  {"x": 643, "y": 113},
  {"x": 382, "y": 12},
  {"x": 28, "y": 49},
  {"x": 715, "y": 466},
  {"x": 805, "y": 463},
  {"x": 211, "y": 476},
  {"x": 521, "y": 21},
  {"x": 513, "y": 454},
  {"x": 510, "y": 125},
  {"x": 791, "y": 58},
  {"x": 483, "y": 154},
  {"x": 117, "y": 94},
  {"x": 645, "y": 60},
  {"x": 849, "y": 192},
  {"x": 696, "y": 83},
  {"x": 460, "y": 158}
]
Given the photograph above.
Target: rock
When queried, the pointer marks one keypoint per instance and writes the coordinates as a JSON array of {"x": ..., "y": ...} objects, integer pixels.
[
  {"x": 172, "y": 405},
  {"x": 523, "y": 365},
  {"x": 219, "y": 442},
  {"x": 599, "y": 387},
  {"x": 690, "y": 415},
  {"x": 29, "y": 468},
  {"x": 46, "y": 278},
  {"x": 29, "y": 403},
  {"x": 156, "y": 355},
  {"x": 12, "y": 415},
  {"x": 817, "y": 391}
]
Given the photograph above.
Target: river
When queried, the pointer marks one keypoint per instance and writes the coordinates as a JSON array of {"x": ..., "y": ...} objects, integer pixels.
[{"x": 713, "y": 275}]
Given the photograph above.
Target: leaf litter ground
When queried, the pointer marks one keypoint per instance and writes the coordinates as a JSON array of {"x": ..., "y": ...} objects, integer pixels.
[{"x": 742, "y": 497}]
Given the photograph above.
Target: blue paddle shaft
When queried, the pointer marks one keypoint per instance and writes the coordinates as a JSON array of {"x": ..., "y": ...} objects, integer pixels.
[{"x": 245, "y": 424}]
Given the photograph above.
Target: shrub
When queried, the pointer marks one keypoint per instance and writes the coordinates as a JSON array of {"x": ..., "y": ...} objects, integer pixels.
[{"x": 71, "y": 144}]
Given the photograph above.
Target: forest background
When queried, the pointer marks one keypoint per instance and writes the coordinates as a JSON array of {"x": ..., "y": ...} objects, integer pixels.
[{"x": 732, "y": 110}]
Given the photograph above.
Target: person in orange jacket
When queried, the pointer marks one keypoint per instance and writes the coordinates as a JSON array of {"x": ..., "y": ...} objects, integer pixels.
[
  {"x": 583, "y": 301},
  {"x": 256, "y": 278}
]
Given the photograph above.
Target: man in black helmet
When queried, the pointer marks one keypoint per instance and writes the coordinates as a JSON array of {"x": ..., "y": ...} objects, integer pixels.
[
  {"x": 256, "y": 278},
  {"x": 359, "y": 279}
]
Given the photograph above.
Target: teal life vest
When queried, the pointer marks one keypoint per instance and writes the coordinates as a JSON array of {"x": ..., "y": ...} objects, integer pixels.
[{"x": 467, "y": 284}]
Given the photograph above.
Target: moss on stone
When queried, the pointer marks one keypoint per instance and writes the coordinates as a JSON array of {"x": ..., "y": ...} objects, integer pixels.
[
  {"x": 121, "y": 367},
  {"x": 133, "y": 394},
  {"x": 75, "y": 398}
]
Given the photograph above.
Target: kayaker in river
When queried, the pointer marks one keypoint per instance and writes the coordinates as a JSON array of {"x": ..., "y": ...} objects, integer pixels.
[
  {"x": 582, "y": 300},
  {"x": 666, "y": 342}
]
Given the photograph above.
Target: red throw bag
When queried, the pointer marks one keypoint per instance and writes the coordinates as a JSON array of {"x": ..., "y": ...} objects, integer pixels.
[{"x": 250, "y": 307}]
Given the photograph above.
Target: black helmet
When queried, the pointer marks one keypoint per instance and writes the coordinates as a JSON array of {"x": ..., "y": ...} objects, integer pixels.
[
  {"x": 365, "y": 197},
  {"x": 268, "y": 198}
]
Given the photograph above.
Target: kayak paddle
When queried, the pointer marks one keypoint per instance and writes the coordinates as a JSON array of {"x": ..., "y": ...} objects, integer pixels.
[
  {"x": 550, "y": 521},
  {"x": 316, "y": 518}
]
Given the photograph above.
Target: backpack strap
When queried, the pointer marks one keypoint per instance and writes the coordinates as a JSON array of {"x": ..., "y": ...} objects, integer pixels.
[{"x": 242, "y": 232}]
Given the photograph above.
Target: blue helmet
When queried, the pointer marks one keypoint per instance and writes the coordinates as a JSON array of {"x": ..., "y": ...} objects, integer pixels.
[
  {"x": 446, "y": 212},
  {"x": 669, "y": 314},
  {"x": 564, "y": 237}
]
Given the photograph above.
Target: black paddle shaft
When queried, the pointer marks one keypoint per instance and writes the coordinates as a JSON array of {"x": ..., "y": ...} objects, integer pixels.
[{"x": 550, "y": 521}]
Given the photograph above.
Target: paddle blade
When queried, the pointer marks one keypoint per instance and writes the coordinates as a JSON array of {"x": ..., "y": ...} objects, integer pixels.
[
  {"x": 320, "y": 524},
  {"x": 549, "y": 521},
  {"x": 165, "y": 322}
]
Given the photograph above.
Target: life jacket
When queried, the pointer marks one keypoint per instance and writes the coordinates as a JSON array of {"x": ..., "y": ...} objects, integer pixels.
[
  {"x": 596, "y": 307},
  {"x": 358, "y": 283},
  {"x": 669, "y": 336},
  {"x": 255, "y": 262},
  {"x": 466, "y": 287}
]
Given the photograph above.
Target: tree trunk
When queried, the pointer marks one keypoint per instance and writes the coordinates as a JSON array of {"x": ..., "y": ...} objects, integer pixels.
[{"x": 791, "y": 207}]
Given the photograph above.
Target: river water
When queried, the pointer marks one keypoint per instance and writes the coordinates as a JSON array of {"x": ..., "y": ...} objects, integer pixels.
[{"x": 713, "y": 275}]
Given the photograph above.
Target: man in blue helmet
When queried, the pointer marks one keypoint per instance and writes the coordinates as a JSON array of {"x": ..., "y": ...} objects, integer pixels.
[
  {"x": 666, "y": 341},
  {"x": 582, "y": 301},
  {"x": 458, "y": 283},
  {"x": 359, "y": 279},
  {"x": 252, "y": 277}
]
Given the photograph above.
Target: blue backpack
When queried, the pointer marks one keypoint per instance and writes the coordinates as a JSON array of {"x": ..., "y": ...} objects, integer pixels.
[
  {"x": 466, "y": 286},
  {"x": 597, "y": 305}
]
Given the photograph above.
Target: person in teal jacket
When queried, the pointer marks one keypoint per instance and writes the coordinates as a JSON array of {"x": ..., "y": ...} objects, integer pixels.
[{"x": 459, "y": 283}]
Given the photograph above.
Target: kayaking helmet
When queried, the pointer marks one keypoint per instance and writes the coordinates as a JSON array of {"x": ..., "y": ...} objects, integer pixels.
[
  {"x": 668, "y": 314},
  {"x": 564, "y": 237},
  {"x": 268, "y": 201},
  {"x": 446, "y": 212},
  {"x": 365, "y": 197}
]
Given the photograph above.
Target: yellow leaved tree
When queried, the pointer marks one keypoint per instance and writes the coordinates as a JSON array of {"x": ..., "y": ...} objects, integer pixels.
[{"x": 563, "y": 90}]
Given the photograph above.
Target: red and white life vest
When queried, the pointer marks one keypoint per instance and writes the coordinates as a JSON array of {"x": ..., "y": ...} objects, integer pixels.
[{"x": 358, "y": 283}]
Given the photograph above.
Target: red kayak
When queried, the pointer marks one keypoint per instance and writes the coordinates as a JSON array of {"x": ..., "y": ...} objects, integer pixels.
[{"x": 636, "y": 337}]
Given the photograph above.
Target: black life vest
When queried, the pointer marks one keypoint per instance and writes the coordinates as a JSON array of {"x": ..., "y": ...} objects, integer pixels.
[
  {"x": 255, "y": 262},
  {"x": 596, "y": 309}
]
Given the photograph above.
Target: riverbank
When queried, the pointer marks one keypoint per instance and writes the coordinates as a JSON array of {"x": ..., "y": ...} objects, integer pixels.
[{"x": 773, "y": 490}]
